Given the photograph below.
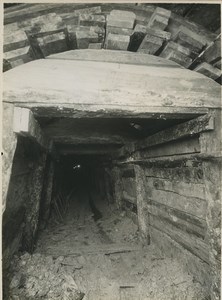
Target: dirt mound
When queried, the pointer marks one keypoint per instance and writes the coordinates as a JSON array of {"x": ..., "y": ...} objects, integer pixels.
[{"x": 42, "y": 277}]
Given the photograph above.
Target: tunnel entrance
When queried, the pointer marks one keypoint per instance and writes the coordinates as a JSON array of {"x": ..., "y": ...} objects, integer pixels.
[
  {"x": 89, "y": 234},
  {"x": 116, "y": 195}
]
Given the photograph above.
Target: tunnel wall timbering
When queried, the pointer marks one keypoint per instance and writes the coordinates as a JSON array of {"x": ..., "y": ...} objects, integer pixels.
[
  {"x": 25, "y": 198},
  {"x": 174, "y": 191}
]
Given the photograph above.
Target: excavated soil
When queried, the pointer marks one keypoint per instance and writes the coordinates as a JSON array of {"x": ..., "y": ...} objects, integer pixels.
[{"x": 95, "y": 254}]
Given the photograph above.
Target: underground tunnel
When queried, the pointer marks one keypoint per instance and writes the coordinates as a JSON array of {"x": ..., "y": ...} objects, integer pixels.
[{"x": 111, "y": 159}]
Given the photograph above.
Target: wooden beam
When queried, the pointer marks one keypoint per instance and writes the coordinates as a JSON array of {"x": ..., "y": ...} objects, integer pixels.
[
  {"x": 25, "y": 124},
  {"x": 119, "y": 92},
  {"x": 184, "y": 130},
  {"x": 190, "y": 128},
  {"x": 111, "y": 111},
  {"x": 141, "y": 195},
  {"x": 121, "y": 57}
]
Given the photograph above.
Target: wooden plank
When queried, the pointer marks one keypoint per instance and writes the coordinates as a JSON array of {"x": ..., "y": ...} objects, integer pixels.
[
  {"x": 208, "y": 70},
  {"x": 190, "y": 205},
  {"x": 178, "y": 187},
  {"x": 19, "y": 56},
  {"x": 117, "y": 186},
  {"x": 177, "y": 174},
  {"x": 44, "y": 23},
  {"x": 171, "y": 248},
  {"x": 213, "y": 52},
  {"x": 212, "y": 179},
  {"x": 186, "y": 146},
  {"x": 190, "y": 39},
  {"x": 122, "y": 19},
  {"x": 117, "y": 42},
  {"x": 42, "y": 9},
  {"x": 92, "y": 20},
  {"x": 185, "y": 222},
  {"x": 160, "y": 18},
  {"x": 95, "y": 46},
  {"x": 180, "y": 215},
  {"x": 183, "y": 130},
  {"x": 25, "y": 124},
  {"x": 74, "y": 110},
  {"x": 150, "y": 44},
  {"x": 193, "y": 244},
  {"x": 177, "y": 53},
  {"x": 84, "y": 38},
  {"x": 143, "y": 216},
  {"x": 121, "y": 57},
  {"x": 122, "y": 88},
  {"x": 176, "y": 21}
]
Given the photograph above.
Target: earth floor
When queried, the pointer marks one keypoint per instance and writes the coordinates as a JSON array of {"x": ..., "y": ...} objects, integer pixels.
[{"x": 94, "y": 254}]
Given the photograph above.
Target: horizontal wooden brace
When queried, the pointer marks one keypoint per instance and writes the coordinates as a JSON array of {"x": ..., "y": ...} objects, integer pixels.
[
  {"x": 203, "y": 156},
  {"x": 25, "y": 124},
  {"x": 183, "y": 130}
]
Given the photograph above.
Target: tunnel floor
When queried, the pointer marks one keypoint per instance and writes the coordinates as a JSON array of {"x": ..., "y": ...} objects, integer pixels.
[{"x": 95, "y": 253}]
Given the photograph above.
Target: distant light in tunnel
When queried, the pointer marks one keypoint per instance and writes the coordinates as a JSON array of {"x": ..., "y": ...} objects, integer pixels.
[
  {"x": 136, "y": 126},
  {"x": 76, "y": 167}
]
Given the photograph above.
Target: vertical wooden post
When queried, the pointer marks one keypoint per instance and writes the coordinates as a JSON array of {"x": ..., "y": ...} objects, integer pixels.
[
  {"x": 33, "y": 206},
  {"x": 117, "y": 186},
  {"x": 211, "y": 145},
  {"x": 142, "y": 211},
  {"x": 47, "y": 191},
  {"x": 108, "y": 186},
  {"x": 212, "y": 179}
]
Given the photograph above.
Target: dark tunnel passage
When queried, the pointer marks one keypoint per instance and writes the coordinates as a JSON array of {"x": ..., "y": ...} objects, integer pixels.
[
  {"x": 89, "y": 223},
  {"x": 79, "y": 179}
]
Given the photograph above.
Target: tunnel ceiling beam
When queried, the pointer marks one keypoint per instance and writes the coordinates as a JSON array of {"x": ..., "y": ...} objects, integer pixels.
[
  {"x": 89, "y": 139},
  {"x": 64, "y": 110},
  {"x": 102, "y": 87},
  {"x": 89, "y": 149}
]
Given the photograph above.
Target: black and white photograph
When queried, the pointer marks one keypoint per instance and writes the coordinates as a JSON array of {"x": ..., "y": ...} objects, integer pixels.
[{"x": 111, "y": 150}]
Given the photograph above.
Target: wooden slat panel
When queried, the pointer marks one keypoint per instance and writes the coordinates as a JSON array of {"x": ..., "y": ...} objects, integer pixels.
[
  {"x": 190, "y": 128},
  {"x": 181, "y": 220},
  {"x": 193, "y": 206},
  {"x": 192, "y": 244},
  {"x": 188, "y": 175},
  {"x": 173, "y": 148},
  {"x": 181, "y": 188}
]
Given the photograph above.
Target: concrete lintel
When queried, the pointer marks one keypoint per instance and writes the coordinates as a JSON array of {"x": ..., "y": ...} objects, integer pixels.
[{"x": 25, "y": 124}]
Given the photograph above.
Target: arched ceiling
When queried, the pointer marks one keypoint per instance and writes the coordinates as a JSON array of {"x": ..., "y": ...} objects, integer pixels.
[{"x": 175, "y": 32}]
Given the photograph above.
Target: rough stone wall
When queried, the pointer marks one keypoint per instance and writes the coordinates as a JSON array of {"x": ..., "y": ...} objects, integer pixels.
[{"x": 20, "y": 219}]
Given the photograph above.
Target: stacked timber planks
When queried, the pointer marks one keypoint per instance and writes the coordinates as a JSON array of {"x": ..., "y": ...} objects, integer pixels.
[
  {"x": 155, "y": 36},
  {"x": 86, "y": 26},
  {"x": 120, "y": 25},
  {"x": 170, "y": 185},
  {"x": 40, "y": 30}
]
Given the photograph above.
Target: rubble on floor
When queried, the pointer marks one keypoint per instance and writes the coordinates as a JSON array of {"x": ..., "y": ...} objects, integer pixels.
[
  {"x": 41, "y": 277},
  {"x": 98, "y": 259}
]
